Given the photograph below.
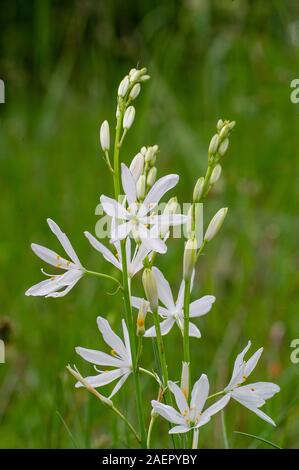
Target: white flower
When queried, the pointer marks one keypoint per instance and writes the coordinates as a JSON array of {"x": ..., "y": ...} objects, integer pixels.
[
  {"x": 189, "y": 417},
  {"x": 254, "y": 395},
  {"x": 139, "y": 215},
  {"x": 136, "y": 167},
  {"x": 173, "y": 311},
  {"x": 57, "y": 285},
  {"x": 120, "y": 360},
  {"x": 134, "y": 262}
]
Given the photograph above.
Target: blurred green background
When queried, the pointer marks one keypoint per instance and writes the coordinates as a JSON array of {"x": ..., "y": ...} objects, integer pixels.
[{"x": 61, "y": 63}]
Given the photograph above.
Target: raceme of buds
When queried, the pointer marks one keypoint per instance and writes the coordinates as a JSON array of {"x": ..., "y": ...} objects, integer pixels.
[
  {"x": 150, "y": 288},
  {"x": 105, "y": 136},
  {"x": 136, "y": 75},
  {"x": 189, "y": 258},
  {"x": 198, "y": 188},
  {"x": 215, "y": 224},
  {"x": 216, "y": 173},
  {"x": 141, "y": 187},
  {"x": 185, "y": 379},
  {"x": 151, "y": 177},
  {"x": 135, "y": 91},
  {"x": 129, "y": 117},
  {"x": 141, "y": 318},
  {"x": 123, "y": 86}
]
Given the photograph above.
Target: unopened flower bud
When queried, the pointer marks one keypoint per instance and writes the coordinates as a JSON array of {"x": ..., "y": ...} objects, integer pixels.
[
  {"x": 105, "y": 136},
  {"x": 151, "y": 177},
  {"x": 198, "y": 188},
  {"x": 189, "y": 258},
  {"x": 185, "y": 379},
  {"x": 141, "y": 187},
  {"x": 135, "y": 91},
  {"x": 231, "y": 125},
  {"x": 219, "y": 125},
  {"x": 150, "y": 156},
  {"x": 150, "y": 288},
  {"x": 129, "y": 117},
  {"x": 214, "y": 144},
  {"x": 224, "y": 132},
  {"x": 140, "y": 330},
  {"x": 145, "y": 78},
  {"x": 223, "y": 147},
  {"x": 123, "y": 86},
  {"x": 143, "y": 150},
  {"x": 137, "y": 165},
  {"x": 215, "y": 224},
  {"x": 189, "y": 223},
  {"x": 137, "y": 74},
  {"x": 216, "y": 173},
  {"x": 172, "y": 206}
]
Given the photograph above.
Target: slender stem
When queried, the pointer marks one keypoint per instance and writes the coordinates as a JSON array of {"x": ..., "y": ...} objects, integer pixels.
[
  {"x": 151, "y": 374},
  {"x": 149, "y": 432},
  {"x": 216, "y": 394},
  {"x": 186, "y": 327},
  {"x": 226, "y": 444},
  {"x": 126, "y": 289},
  {"x": 195, "y": 439},
  {"x": 106, "y": 276}
]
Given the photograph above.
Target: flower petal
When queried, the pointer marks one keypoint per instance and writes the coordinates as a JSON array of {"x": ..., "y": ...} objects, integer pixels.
[
  {"x": 216, "y": 407},
  {"x": 111, "y": 338},
  {"x": 165, "y": 327},
  {"x": 252, "y": 362},
  {"x": 128, "y": 184},
  {"x": 164, "y": 290},
  {"x": 179, "y": 429},
  {"x": 98, "y": 357},
  {"x": 201, "y": 306},
  {"x": 167, "y": 412},
  {"x": 102, "y": 379},
  {"x": 160, "y": 188},
  {"x": 51, "y": 257},
  {"x": 200, "y": 393},
  {"x": 65, "y": 242},
  {"x": 179, "y": 397},
  {"x": 119, "y": 384},
  {"x": 103, "y": 250},
  {"x": 150, "y": 241},
  {"x": 194, "y": 331},
  {"x": 113, "y": 208}
]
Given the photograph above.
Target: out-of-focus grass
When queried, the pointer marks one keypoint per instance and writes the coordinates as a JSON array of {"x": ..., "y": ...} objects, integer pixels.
[{"x": 207, "y": 60}]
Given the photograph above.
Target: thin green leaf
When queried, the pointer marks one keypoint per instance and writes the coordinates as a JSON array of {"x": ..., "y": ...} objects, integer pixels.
[{"x": 259, "y": 439}]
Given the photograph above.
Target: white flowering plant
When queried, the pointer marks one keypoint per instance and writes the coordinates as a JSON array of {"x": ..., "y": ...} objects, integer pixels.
[{"x": 139, "y": 234}]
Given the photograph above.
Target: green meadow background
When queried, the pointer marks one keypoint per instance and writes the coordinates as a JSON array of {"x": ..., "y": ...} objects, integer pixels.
[{"x": 61, "y": 63}]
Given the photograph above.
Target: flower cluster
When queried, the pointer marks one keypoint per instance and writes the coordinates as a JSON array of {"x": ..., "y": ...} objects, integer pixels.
[{"x": 139, "y": 234}]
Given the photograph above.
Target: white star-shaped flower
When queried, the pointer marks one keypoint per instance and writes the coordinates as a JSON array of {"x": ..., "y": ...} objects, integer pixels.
[
  {"x": 252, "y": 396},
  {"x": 138, "y": 216},
  {"x": 172, "y": 312},
  {"x": 193, "y": 416},
  {"x": 120, "y": 360},
  {"x": 58, "y": 285}
]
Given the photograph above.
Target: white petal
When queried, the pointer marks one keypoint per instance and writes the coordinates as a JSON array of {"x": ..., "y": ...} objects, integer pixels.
[
  {"x": 98, "y": 357},
  {"x": 179, "y": 397},
  {"x": 68, "y": 280},
  {"x": 263, "y": 415},
  {"x": 51, "y": 257},
  {"x": 150, "y": 241},
  {"x": 119, "y": 384},
  {"x": 65, "y": 242},
  {"x": 127, "y": 341},
  {"x": 264, "y": 390},
  {"x": 252, "y": 362},
  {"x": 137, "y": 262},
  {"x": 165, "y": 327},
  {"x": 200, "y": 393},
  {"x": 128, "y": 184},
  {"x": 168, "y": 412},
  {"x": 111, "y": 338},
  {"x": 180, "y": 299},
  {"x": 102, "y": 379},
  {"x": 103, "y": 250},
  {"x": 42, "y": 288},
  {"x": 179, "y": 429},
  {"x": 194, "y": 331},
  {"x": 160, "y": 188},
  {"x": 113, "y": 208},
  {"x": 137, "y": 302},
  {"x": 164, "y": 291},
  {"x": 216, "y": 407},
  {"x": 239, "y": 367},
  {"x": 201, "y": 306},
  {"x": 120, "y": 231},
  {"x": 136, "y": 166}
]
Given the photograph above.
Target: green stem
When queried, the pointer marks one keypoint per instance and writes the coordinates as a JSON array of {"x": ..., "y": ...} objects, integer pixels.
[
  {"x": 186, "y": 327},
  {"x": 226, "y": 444},
  {"x": 106, "y": 276},
  {"x": 149, "y": 432},
  {"x": 126, "y": 289},
  {"x": 216, "y": 394},
  {"x": 195, "y": 439}
]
